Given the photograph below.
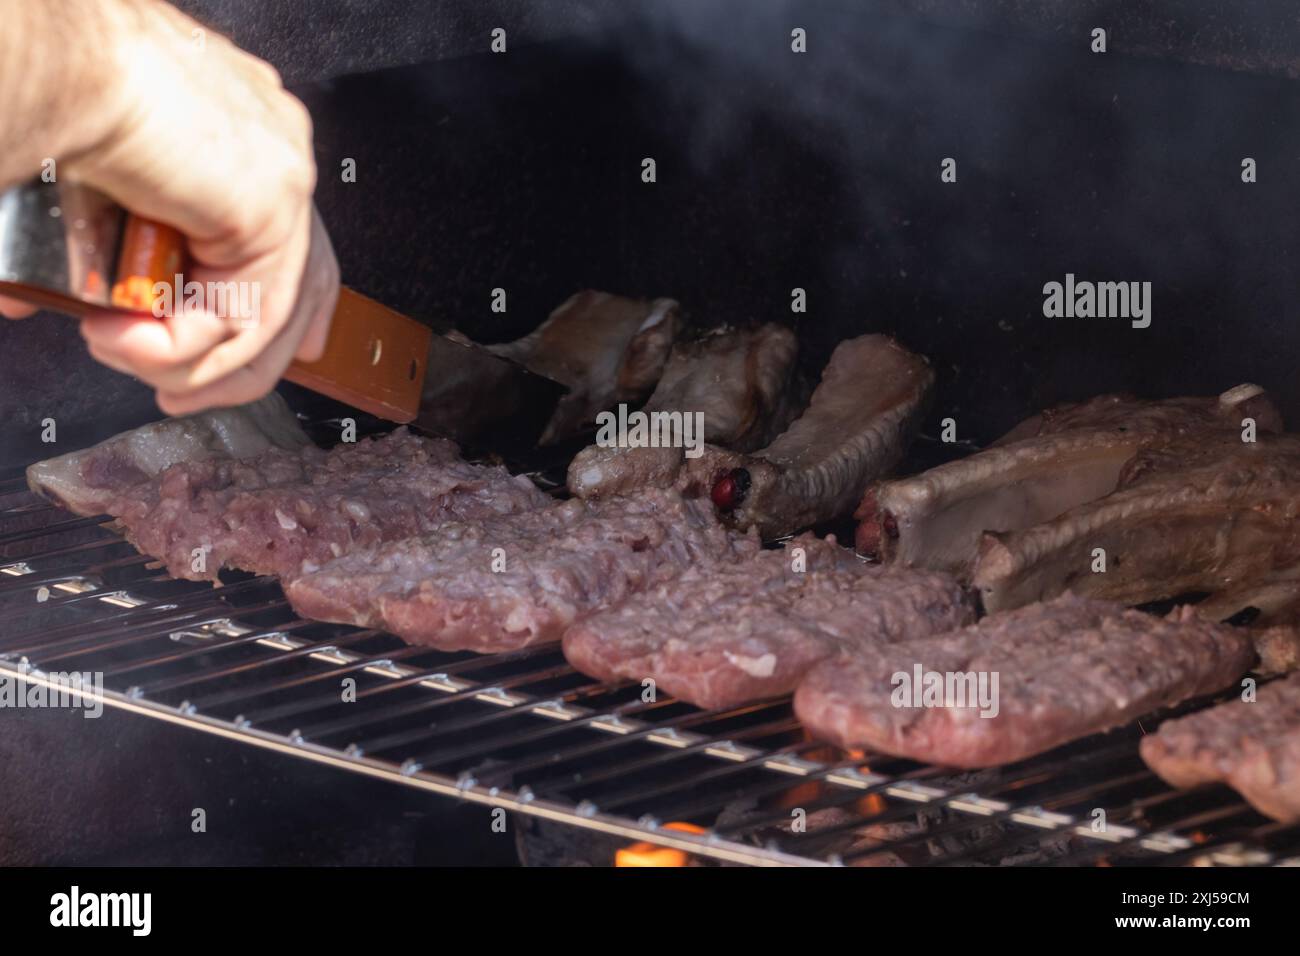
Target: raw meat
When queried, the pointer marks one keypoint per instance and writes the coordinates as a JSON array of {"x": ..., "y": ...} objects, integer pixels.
[
  {"x": 1253, "y": 746},
  {"x": 504, "y": 583},
  {"x": 719, "y": 636},
  {"x": 1051, "y": 672}
]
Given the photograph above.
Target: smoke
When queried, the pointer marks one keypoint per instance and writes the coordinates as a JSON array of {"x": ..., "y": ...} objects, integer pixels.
[
  {"x": 886, "y": 96},
  {"x": 872, "y": 90},
  {"x": 1110, "y": 166}
]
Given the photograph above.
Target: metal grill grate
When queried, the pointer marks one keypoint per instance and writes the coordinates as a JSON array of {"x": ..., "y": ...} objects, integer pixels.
[{"x": 524, "y": 731}]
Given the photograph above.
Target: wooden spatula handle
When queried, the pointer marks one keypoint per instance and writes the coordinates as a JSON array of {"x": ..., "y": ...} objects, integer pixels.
[{"x": 375, "y": 359}]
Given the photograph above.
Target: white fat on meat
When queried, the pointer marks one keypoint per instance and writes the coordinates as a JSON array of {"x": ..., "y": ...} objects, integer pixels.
[{"x": 84, "y": 481}]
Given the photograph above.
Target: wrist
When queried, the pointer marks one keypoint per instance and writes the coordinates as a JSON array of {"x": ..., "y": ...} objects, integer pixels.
[
  {"x": 124, "y": 37},
  {"x": 60, "y": 72}
]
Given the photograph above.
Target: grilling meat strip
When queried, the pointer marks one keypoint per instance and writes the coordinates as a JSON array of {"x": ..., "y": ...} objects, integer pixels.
[
  {"x": 1065, "y": 669},
  {"x": 739, "y": 380},
  {"x": 88, "y": 481},
  {"x": 857, "y": 425},
  {"x": 1211, "y": 519},
  {"x": 605, "y": 348},
  {"x": 1254, "y": 747},
  {"x": 274, "y": 511},
  {"x": 504, "y": 583},
  {"x": 1055, "y": 461},
  {"x": 719, "y": 636}
]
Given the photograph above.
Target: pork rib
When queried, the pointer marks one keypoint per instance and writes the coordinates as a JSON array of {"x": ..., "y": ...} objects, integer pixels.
[
  {"x": 738, "y": 380},
  {"x": 1212, "y": 519},
  {"x": 1253, "y": 746},
  {"x": 504, "y": 583},
  {"x": 607, "y": 349},
  {"x": 719, "y": 636},
  {"x": 1065, "y": 669},
  {"x": 857, "y": 425},
  {"x": 1055, "y": 461}
]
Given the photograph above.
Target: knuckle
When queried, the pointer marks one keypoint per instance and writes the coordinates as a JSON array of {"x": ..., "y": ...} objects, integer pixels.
[
  {"x": 270, "y": 75},
  {"x": 301, "y": 167}
]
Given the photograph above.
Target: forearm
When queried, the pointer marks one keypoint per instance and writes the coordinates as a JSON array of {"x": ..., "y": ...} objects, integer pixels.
[{"x": 59, "y": 60}]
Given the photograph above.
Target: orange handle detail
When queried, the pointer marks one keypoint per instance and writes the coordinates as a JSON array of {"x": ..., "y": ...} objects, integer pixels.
[{"x": 151, "y": 253}]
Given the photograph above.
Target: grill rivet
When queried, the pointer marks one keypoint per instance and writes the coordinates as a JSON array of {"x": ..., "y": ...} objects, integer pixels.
[{"x": 585, "y": 809}]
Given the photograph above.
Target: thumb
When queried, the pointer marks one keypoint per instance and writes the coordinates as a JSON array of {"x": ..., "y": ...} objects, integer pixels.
[{"x": 13, "y": 309}]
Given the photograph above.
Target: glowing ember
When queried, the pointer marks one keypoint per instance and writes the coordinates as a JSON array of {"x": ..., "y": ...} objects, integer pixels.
[{"x": 648, "y": 854}]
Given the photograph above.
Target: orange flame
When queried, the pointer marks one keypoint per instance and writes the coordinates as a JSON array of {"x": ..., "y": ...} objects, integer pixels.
[
  {"x": 648, "y": 854},
  {"x": 873, "y": 803}
]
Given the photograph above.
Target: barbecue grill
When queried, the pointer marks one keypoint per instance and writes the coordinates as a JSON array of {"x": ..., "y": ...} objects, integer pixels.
[
  {"x": 543, "y": 206},
  {"x": 524, "y": 732}
]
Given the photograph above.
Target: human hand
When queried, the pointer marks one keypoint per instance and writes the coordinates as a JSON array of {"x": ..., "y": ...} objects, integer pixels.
[{"x": 196, "y": 133}]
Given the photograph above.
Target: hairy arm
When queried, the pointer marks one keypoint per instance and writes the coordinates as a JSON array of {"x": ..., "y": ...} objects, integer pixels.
[{"x": 58, "y": 63}]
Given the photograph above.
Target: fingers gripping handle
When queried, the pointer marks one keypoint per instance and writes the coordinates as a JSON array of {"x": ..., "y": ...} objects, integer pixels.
[{"x": 374, "y": 358}]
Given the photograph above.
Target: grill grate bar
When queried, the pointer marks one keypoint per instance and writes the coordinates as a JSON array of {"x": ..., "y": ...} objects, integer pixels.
[
  {"x": 74, "y": 648},
  {"x": 33, "y": 534},
  {"x": 623, "y": 729},
  {"x": 744, "y": 758},
  {"x": 289, "y": 647},
  {"x": 592, "y": 747},
  {"x": 133, "y": 613},
  {"x": 24, "y": 578},
  {"x": 706, "y": 806},
  {"x": 378, "y": 665},
  {"x": 331, "y": 728},
  {"x": 202, "y": 650},
  {"x": 372, "y": 663},
  {"x": 423, "y": 734}
]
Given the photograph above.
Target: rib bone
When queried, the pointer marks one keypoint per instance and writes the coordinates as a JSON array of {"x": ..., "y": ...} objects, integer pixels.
[
  {"x": 1055, "y": 461},
  {"x": 857, "y": 424},
  {"x": 1226, "y": 520}
]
